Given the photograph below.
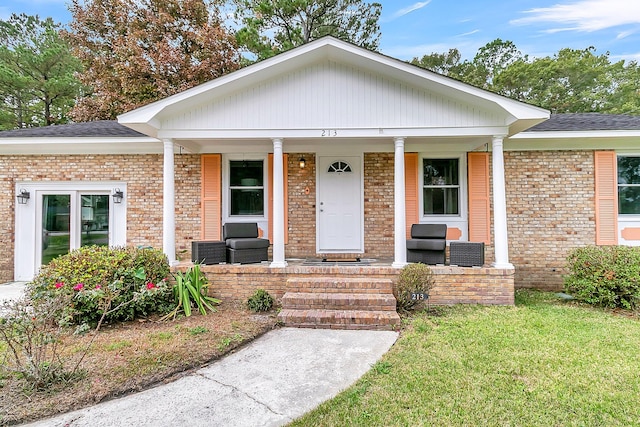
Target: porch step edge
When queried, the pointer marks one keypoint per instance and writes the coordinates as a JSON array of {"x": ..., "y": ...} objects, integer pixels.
[
  {"x": 339, "y": 319},
  {"x": 344, "y": 285},
  {"x": 339, "y": 301}
]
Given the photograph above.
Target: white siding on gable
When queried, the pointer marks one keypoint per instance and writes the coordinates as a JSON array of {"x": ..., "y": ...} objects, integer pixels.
[{"x": 329, "y": 95}]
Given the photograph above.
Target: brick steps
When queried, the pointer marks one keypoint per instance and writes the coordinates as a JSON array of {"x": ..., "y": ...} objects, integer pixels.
[
  {"x": 340, "y": 284},
  {"x": 339, "y": 303},
  {"x": 340, "y": 319}
]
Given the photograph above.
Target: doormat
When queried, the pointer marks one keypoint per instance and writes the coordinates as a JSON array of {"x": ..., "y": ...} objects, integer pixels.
[{"x": 322, "y": 262}]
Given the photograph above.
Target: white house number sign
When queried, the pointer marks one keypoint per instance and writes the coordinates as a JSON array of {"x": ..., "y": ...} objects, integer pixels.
[{"x": 329, "y": 132}]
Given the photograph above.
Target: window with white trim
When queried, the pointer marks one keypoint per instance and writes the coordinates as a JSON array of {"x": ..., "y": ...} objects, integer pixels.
[
  {"x": 629, "y": 185},
  {"x": 246, "y": 188},
  {"x": 441, "y": 187}
]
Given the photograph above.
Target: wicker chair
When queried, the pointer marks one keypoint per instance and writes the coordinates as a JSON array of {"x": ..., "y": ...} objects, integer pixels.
[
  {"x": 243, "y": 244},
  {"x": 428, "y": 243}
]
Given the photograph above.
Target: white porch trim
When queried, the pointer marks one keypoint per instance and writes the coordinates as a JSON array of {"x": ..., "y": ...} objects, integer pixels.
[
  {"x": 499, "y": 205},
  {"x": 278, "y": 206},
  {"x": 169, "y": 203},
  {"x": 399, "y": 232}
]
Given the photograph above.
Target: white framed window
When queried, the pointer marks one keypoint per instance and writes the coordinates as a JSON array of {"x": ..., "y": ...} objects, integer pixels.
[
  {"x": 442, "y": 187},
  {"x": 628, "y": 185},
  {"x": 244, "y": 188},
  {"x": 63, "y": 216}
]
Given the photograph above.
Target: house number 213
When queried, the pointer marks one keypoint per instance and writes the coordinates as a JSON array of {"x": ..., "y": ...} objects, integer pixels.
[{"x": 329, "y": 132}]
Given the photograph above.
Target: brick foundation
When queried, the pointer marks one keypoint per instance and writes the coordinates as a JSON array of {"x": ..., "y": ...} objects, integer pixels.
[{"x": 453, "y": 285}]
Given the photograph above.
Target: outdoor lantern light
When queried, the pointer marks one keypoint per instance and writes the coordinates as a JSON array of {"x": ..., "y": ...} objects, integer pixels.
[
  {"x": 117, "y": 196},
  {"x": 23, "y": 197},
  {"x": 303, "y": 162}
]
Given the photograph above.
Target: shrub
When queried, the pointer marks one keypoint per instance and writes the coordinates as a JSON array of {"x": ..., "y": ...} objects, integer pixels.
[
  {"x": 119, "y": 283},
  {"x": 190, "y": 290},
  {"x": 607, "y": 276},
  {"x": 414, "y": 279},
  {"x": 260, "y": 301},
  {"x": 33, "y": 348}
]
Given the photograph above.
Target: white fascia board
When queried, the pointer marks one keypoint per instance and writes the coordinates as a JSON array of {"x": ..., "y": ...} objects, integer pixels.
[
  {"x": 328, "y": 134},
  {"x": 103, "y": 145},
  {"x": 575, "y": 140}
]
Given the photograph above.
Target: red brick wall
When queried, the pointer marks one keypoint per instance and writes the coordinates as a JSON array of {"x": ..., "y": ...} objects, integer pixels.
[
  {"x": 550, "y": 210},
  {"x": 378, "y": 205}
]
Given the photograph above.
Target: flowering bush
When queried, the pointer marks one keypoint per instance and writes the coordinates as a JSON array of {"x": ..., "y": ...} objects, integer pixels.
[{"x": 119, "y": 283}]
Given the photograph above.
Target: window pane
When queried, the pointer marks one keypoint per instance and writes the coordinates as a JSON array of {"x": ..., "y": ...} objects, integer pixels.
[
  {"x": 628, "y": 170},
  {"x": 246, "y": 173},
  {"x": 95, "y": 220},
  {"x": 247, "y": 202},
  {"x": 441, "y": 201},
  {"x": 629, "y": 200},
  {"x": 440, "y": 171},
  {"x": 56, "y": 224}
]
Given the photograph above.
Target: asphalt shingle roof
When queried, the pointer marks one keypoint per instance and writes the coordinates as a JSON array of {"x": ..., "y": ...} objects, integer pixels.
[
  {"x": 105, "y": 128},
  {"x": 100, "y": 128},
  {"x": 587, "y": 121}
]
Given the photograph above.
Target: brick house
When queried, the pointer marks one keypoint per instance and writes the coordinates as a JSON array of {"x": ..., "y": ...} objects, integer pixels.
[{"x": 263, "y": 144}]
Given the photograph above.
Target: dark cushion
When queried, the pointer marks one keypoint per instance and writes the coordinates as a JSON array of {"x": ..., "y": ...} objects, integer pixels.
[
  {"x": 247, "y": 243},
  {"x": 426, "y": 245},
  {"x": 429, "y": 231},
  {"x": 239, "y": 229}
]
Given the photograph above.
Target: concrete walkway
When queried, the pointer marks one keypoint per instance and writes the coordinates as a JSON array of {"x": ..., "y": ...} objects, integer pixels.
[
  {"x": 11, "y": 291},
  {"x": 270, "y": 382}
]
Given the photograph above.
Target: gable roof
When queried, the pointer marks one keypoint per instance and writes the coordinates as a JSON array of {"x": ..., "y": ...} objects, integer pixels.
[
  {"x": 580, "y": 122},
  {"x": 99, "y": 128},
  {"x": 514, "y": 116}
]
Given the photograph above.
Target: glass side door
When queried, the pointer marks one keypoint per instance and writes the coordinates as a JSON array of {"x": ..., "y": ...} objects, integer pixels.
[{"x": 72, "y": 220}]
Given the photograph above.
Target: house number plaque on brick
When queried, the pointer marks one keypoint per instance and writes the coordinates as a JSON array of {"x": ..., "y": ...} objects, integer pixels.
[{"x": 419, "y": 296}]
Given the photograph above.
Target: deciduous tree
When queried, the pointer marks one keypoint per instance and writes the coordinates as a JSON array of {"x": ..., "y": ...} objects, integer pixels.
[
  {"x": 273, "y": 26},
  {"x": 37, "y": 73},
  {"x": 138, "y": 51}
]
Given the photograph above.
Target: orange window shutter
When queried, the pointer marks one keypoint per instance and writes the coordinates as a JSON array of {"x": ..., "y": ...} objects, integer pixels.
[
  {"x": 285, "y": 173},
  {"x": 210, "y": 205},
  {"x": 411, "y": 191},
  {"x": 606, "y": 186},
  {"x": 479, "y": 200}
]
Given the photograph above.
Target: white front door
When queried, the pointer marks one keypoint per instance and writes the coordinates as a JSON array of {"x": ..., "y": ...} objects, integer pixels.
[{"x": 340, "y": 222}]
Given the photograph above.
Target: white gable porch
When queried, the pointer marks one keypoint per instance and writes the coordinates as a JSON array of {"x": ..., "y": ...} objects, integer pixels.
[{"x": 328, "y": 96}]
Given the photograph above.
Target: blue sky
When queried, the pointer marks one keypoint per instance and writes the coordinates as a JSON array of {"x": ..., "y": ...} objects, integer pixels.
[{"x": 410, "y": 28}]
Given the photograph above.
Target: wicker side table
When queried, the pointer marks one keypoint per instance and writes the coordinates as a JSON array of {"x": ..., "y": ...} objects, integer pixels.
[
  {"x": 208, "y": 252},
  {"x": 466, "y": 254}
]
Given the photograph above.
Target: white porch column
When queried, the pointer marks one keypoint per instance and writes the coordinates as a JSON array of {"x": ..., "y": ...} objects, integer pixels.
[
  {"x": 169, "y": 203},
  {"x": 399, "y": 230},
  {"x": 278, "y": 206},
  {"x": 499, "y": 205}
]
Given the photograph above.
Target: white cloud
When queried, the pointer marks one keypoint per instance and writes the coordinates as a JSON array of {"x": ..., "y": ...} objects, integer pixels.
[
  {"x": 409, "y": 9},
  {"x": 468, "y": 34},
  {"x": 584, "y": 15}
]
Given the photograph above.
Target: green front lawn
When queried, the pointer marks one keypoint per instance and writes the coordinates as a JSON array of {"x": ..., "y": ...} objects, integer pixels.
[{"x": 541, "y": 363}]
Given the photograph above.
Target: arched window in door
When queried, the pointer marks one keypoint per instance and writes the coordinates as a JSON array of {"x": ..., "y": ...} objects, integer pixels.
[{"x": 339, "y": 167}]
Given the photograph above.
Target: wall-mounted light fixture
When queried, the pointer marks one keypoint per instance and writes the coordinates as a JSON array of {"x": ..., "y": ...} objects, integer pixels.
[
  {"x": 23, "y": 197},
  {"x": 303, "y": 162},
  {"x": 117, "y": 196}
]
